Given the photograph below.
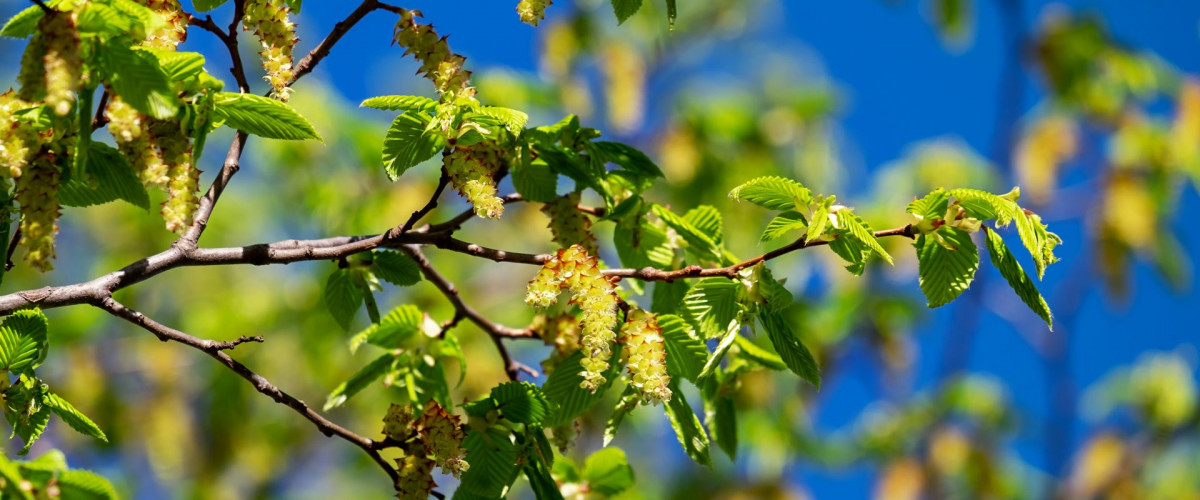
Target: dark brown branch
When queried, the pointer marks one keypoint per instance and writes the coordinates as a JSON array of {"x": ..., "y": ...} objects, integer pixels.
[
  {"x": 455, "y": 223},
  {"x": 100, "y": 119},
  {"x": 443, "y": 181},
  {"x": 495, "y": 331},
  {"x": 12, "y": 248},
  {"x": 217, "y": 351},
  {"x": 230, "y": 344}
]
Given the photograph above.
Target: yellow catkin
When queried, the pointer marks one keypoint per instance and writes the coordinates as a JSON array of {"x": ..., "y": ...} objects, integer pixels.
[
  {"x": 442, "y": 435},
  {"x": 37, "y": 195},
  {"x": 568, "y": 225},
  {"x": 415, "y": 480},
  {"x": 646, "y": 356},
  {"x": 532, "y": 11},
  {"x": 173, "y": 31},
  {"x": 32, "y": 76},
  {"x": 61, "y": 60},
  {"x": 183, "y": 178},
  {"x": 18, "y": 139},
  {"x": 472, "y": 172},
  {"x": 595, "y": 295},
  {"x": 277, "y": 35},
  {"x": 441, "y": 66},
  {"x": 561, "y": 332}
]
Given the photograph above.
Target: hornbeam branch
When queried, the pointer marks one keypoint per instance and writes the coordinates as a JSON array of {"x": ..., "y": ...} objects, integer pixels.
[{"x": 217, "y": 351}]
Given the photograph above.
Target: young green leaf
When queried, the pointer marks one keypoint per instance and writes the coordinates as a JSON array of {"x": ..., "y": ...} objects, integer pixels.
[
  {"x": 721, "y": 418},
  {"x": 607, "y": 472},
  {"x": 179, "y": 66},
  {"x": 24, "y": 410},
  {"x": 522, "y": 403},
  {"x": 860, "y": 230},
  {"x": 23, "y": 341},
  {"x": 262, "y": 116},
  {"x": 712, "y": 304},
  {"x": 819, "y": 221},
  {"x": 23, "y": 23},
  {"x": 137, "y": 78},
  {"x": 79, "y": 484},
  {"x": 686, "y": 354},
  {"x": 342, "y": 297},
  {"x": 983, "y": 205},
  {"x": 1020, "y": 282},
  {"x": 534, "y": 180},
  {"x": 359, "y": 381},
  {"x": 395, "y": 268},
  {"x": 628, "y": 157},
  {"x": 563, "y": 388},
  {"x": 774, "y": 193},
  {"x": 794, "y": 354},
  {"x": 394, "y": 328},
  {"x": 749, "y": 350},
  {"x": 493, "y": 459},
  {"x": 625, "y": 405},
  {"x": 946, "y": 268},
  {"x": 625, "y": 8},
  {"x": 512, "y": 119},
  {"x": 402, "y": 103},
  {"x": 114, "y": 180},
  {"x": 688, "y": 429},
  {"x": 409, "y": 143},
  {"x": 852, "y": 251},
  {"x": 207, "y": 5},
  {"x": 782, "y": 224},
  {"x": 707, "y": 220},
  {"x": 932, "y": 206},
  {"x": 699, "y": 242},
  {"x": 73, "y": 417}
]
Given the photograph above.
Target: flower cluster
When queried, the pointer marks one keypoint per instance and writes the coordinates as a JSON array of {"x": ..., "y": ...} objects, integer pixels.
[
  {"x": 560, "y": 331},
  {"x": 575, "y": 270},
  {"x": 18, "y": 139},
  {"x": 473, "y": 171},
  {"x": 183, "y": 178},
  {"x": 568, "y": 225},
  {"x": 532, "y": 11},
  {"x": 37, "y": 194},
  {"x": 415, "y": 480},
  {"x": 443, "y": 437},
  {"x": 432, "y": 438},
  {"x": 646, "y": 356},
  {"x": 174, "y": 28},
  {"x": 441, "y": 66},
  {"x": 32, "y": 76},
  {"x": 61, "y": 60},
  {"x": 277, "y": 34}
]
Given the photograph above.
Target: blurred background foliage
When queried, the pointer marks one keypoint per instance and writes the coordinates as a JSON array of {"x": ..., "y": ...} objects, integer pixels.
[{"x": 1100, "y": 130}]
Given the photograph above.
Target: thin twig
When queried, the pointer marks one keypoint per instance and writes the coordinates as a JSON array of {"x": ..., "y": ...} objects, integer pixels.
[
  {"x": 12, "y": 248},
  {"x": 101, "y": 119},
  {"x": 217, "y": 351},
  {"x": 443, "y": 181}
]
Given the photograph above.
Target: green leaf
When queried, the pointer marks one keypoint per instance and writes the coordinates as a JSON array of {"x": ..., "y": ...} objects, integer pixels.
[
  {"x": 628, "y": 157},
  {"x": 512, "y": 119},
  {"x": 73, "y": 417},
  {"x": 79, "y": 484},
  {"x": 12, "y": 481},
  {"x": 398, "y": 325},
  {"x": 179, "y": 66},
  {"x": 719, "y": 352},
  {"x": 625, "y": 8},
  {"x": 721, "y": 418},
  {"x": 493, "y": 459},
  {"x": 774, "y": 193},
  {"x": 1037, "y": 240},
  {"x": 707, "y": 220},
  {"x": 700, "y": 243},
  {"x": 749, "y": 350},
  {"x": 521, "y": 403},
  {"x": 793, "y": 353},
  {"x": 540, "y": 481},
  {"x": 359, "y": 381},
  {"x": 782, "y": 224},
  {"x": 23, "y": 23},
  {"x": 983, "y": 205},
  {"x": 819, "y": 221},
  {"x": 687, "y": 426},
  {"x": 395, "y": 268},
  {"x": 534, "y": 181},
  {"x": 402, "y": 103},
  {"x": 342, "y": 297},
  {"x": 607, "y": 472},
  {"x": 24, "y": 410},
  {"x": 686, "y": 354},
  {"x": 1020, "y": 282},
  {"x": 946, "y": 271},
  {"x": 207, "y": 5},
  {"x": 137, "y": 78},
  {"x": 932, "y": 206},
  {"x": 712, "y": 304},
  {"x": 562, "y": 387},
  {"x": 860, "y": 230},
  {"x": 640, "y": 244},
  {"x": 409, "y": 143},
  {"x": 568, "y": 163},
  {"x": 262, "y": 116},
  {"x": 114, "y": 179},
  {"x": 23, "y": 342}
]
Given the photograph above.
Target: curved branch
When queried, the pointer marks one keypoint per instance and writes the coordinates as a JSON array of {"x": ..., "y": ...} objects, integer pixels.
[{"x": 217, "y": 351}]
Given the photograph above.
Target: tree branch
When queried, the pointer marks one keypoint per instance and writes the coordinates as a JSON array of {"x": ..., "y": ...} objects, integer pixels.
[{"x": 217, "y": 351}]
